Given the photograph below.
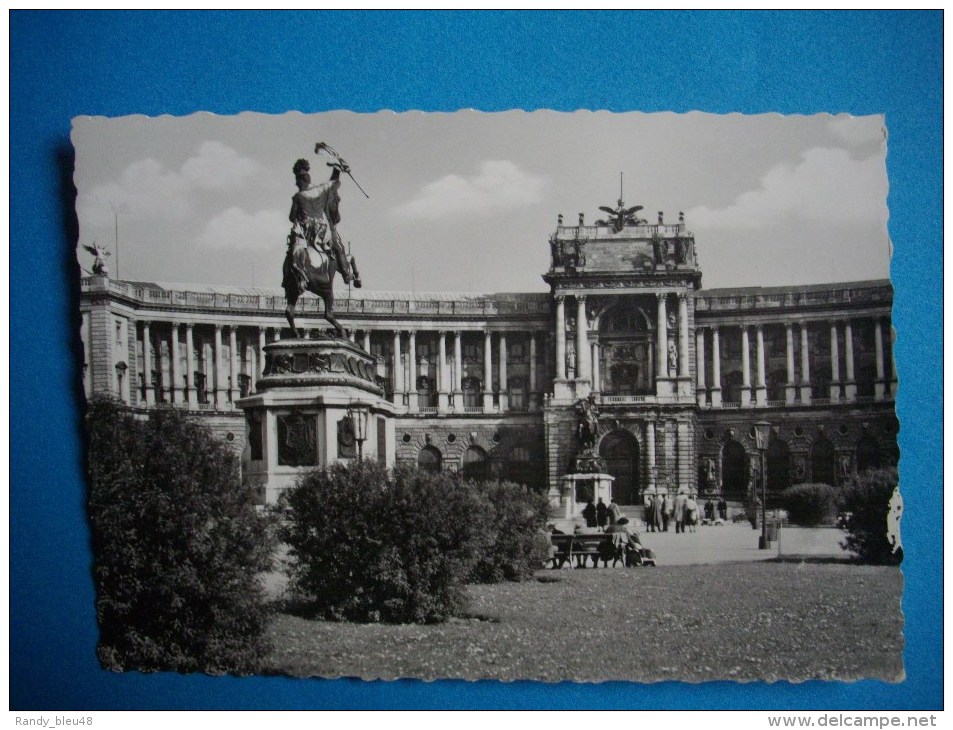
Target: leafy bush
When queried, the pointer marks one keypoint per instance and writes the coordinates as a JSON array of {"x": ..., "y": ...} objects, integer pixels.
[
  {"x": 516, "y": 516},
  {"x": 366, "y": 545},
  {"x": 811, "y": 504},
  {"x": 177, "y": 545},
  {"x": 866, "y": 504}
]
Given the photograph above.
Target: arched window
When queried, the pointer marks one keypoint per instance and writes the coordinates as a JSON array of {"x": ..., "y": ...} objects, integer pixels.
[
  {"x": 868, "y": 453},
  {"x": 823, "y": 463},
  {"x": 776, "y": 384},
  {"x": 734, "y": 469},
  {"x": 620, "y": 449},
  {"x": 472, "y": 395},
  {"x": 731, "y": 387},
  {"x": 476, "y": 464},
  {"x": 517, "y": 392},
  {"x": 426, "y": 392},
  {"x": 429, "y": 459}
]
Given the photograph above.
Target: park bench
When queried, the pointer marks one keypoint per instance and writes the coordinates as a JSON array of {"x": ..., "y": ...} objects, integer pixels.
[{"x": 596, "y": 546}]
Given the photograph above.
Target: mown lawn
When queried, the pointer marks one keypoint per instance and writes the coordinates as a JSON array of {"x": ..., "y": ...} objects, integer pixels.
[{"x": 740, "y": 621}]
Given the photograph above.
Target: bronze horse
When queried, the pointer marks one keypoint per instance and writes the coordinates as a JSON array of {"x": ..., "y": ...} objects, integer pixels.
[{"x": 308, "y": 269}]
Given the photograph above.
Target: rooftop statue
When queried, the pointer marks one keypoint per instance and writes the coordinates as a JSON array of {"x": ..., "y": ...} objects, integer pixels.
[
  {"x": 621, "y": 216},
  {"x": 315, "y": 250},
  {"x": 99, "y": 264}
]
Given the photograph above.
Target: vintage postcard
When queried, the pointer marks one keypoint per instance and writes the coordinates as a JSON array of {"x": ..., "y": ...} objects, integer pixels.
[{"x": 546, "y": 396}]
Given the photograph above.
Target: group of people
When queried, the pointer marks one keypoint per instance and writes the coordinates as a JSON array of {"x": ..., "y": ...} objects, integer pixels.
[
  {"x": 663, "y": 510},
  {"x": 722, "y": 508}
]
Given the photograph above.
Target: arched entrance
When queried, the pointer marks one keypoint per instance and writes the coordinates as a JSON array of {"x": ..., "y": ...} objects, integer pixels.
[
  {"x": 734, "y": 469},
  {"x": 620, "y": 449},
  {"x": 476, "y": 464},
  {"x": 823, "y": 466},
  {"x": 429, "y": 459},
  {"x": 868, "y": 453},
  {"x": 778, "y": 462}
]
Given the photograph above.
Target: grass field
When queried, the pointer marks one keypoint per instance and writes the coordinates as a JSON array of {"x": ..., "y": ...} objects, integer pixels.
[{"x": 739, "y": 621}]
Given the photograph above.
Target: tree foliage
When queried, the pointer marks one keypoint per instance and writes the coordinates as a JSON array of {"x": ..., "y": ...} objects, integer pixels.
[
  {"x": 866, "y": 503},
  {"x": 811, "y": 504},
  {"x": 371, "y": 545},
  {"x": 178, "y": 546}
]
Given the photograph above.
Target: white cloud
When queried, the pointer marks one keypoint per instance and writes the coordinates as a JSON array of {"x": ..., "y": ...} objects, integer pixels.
[
  {"x": 236, "y": 229},
  {"x": 217, "y": 167},
  {"x": 499, "y": 185},
  {"x": 827, "y": 185},
  {"x": 147, "y": 191},
  {"x": 858, "y": 131}
]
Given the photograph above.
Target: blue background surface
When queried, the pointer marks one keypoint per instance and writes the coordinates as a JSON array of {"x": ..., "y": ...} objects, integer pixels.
[{"x": 67, "y": 64}]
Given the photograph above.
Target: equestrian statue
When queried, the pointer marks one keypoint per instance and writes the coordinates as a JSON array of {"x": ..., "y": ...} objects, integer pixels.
[{"x": 315, "y": 250}]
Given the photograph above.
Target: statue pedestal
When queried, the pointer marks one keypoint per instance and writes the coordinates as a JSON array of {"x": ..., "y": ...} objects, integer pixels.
[
  {"x": 316, "y": 403},
  {"x": 580, "y": 489}
]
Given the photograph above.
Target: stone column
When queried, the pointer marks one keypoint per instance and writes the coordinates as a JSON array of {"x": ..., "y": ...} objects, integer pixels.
[
  {"x": 893, "y": 361},
  {"x": 221, "y": 393},
  {"x": 745, "y": 367},
  {"x": 147, "y": 361},
  {"x": 252, "y": 373},
  {"x": 596, "y": 372},
  {"x": 487, "y": 371},
  {"x": 715, "y": 369},
  {"x": 175, "y": 394},
  {"x": 560, "y": 338},
  {"x": 233, "y": 368},
  {"x": 805, "y": 366},
  {"x": 662, "y": 349},
  {"x": 835, "y": 365},
  {"x": 700, "y": 389},
  {"x": 850, "y": 384},
  {"x": 583, "y": 366},
  {"x": 260, "y": 355},
  {"x": 412, "y": 400},
  {"x": 790, "y": 389},
  {"x": 504, "y": 385},
  {"x": 190, "y": 391},
  {"x": 443, "y": 397},
  {"x": 650, "y": 452},
  {"x": 367, "y": 341},
  {"x": 397, "y": 373},
  {"x": 458, "y": 371},
  {"x": 761, "y": 390},
  {"x": 880, "y": 384},
  {"x": 532, "y": 395},
  {"x": 683, "y": 370}
]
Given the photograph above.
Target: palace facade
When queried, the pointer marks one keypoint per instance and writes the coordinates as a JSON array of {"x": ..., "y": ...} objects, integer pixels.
[{"x": 487, "y": 384}]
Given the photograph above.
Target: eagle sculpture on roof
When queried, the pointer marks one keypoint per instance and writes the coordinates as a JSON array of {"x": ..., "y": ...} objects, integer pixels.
[
  {"x": 100, "y": 252},
  {"x": 621, "y": 216}
]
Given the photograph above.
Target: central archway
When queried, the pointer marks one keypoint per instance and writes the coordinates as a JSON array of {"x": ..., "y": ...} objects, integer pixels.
[
  {"x": 734, "y": 470},
  {"x": 620, "y": 449}
]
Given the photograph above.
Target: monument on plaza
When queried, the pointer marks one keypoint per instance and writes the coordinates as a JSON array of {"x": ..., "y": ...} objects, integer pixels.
[
  {"x": 318, "y": 401},
  {"x": 587, "y": 480}
]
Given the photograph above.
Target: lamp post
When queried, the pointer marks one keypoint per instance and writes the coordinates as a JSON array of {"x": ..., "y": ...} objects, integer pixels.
[
  {"x": 762, "y": 432},
  {"x": 359, "y": 416}
]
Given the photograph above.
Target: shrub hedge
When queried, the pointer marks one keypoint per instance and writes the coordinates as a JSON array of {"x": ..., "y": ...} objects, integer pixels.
[
  {"x": 866, "y": 502},
  {"x": 811, "y": 504},
  {"x": 177, "y": 544},
  {"x": 398, "y": 547}
]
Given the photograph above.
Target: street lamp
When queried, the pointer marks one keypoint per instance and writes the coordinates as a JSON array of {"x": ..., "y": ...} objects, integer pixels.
[
  {"x": 762, "y": 432},
  {"x": 359, "y": 416}
]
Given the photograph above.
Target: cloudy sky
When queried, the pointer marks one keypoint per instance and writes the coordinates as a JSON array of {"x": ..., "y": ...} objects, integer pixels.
[{"x": 467, "y": 201}]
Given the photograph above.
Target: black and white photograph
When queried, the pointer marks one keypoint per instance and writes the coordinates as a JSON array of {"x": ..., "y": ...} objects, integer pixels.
[{"x": 547, "y": 396}]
